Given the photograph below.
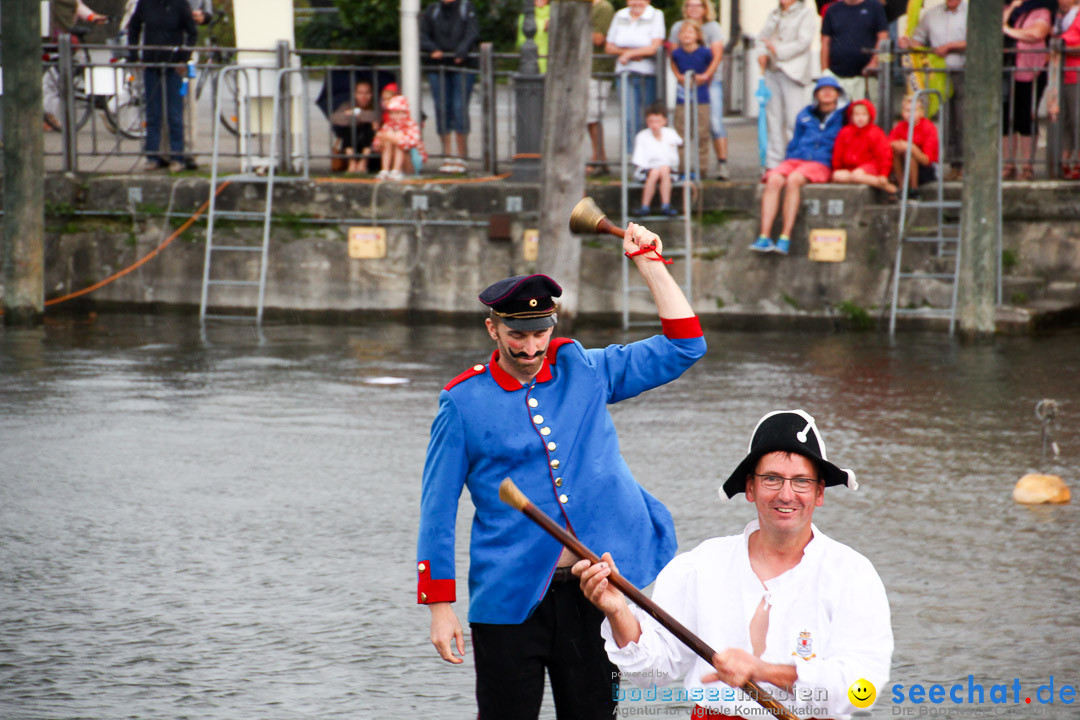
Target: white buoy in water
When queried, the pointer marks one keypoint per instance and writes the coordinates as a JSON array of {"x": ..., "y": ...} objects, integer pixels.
[{"x": 1035, "y": 489}]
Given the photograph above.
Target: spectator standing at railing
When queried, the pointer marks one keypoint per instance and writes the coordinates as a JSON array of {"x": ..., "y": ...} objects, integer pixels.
[
  {"x": 449, "y": 33},
  {"x": 636, "y": 33},
  {"x": 63, "y": 15},
  {"x": 542, "y": 13},
  {"x": 167, "y": 23},
  {"x": 1027, "y": 25},
  {"x": 691, "y": 55},
  {"x": 599, "y": 87},
  {"x": 702, "y": 11},
  {"x": 809, "y": 160},
  {"x": 785, "y": 60},
  {"x": 943, "y": 29},
  {"x": 1067, "y": 28},
  {"x": 851, "y": 28}
]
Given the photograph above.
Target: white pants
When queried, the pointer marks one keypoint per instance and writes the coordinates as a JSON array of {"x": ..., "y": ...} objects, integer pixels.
[{"x": 788, "y": 99}]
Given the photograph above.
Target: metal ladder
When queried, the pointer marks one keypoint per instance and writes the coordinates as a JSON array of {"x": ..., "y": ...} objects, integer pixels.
[
  {"x": 945, "y": 235},
  {"x": 690, "y": 161},
  {"x": 249, "y": 174}
]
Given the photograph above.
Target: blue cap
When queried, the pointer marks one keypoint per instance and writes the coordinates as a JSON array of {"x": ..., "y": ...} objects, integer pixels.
[
  {"x": 523, "y": 302},
  {"x": 828, "y": 81}
]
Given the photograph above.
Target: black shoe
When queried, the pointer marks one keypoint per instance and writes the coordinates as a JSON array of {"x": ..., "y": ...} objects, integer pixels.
[
  {"x": 190, "y": 164},
  {"x": 639, "y": 211},
  {"x": 913, "y": 194}
]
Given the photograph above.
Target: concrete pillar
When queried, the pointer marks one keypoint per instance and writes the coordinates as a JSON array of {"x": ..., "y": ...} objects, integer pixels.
[
  {"x": 982, "y": 148},
  {"x": 24, "y": 197},
  {"x": 410, "y": 54}
]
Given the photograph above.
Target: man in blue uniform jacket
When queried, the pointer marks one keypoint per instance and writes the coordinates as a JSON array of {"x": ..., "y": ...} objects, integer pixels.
[{"x": 537, "y": 412}]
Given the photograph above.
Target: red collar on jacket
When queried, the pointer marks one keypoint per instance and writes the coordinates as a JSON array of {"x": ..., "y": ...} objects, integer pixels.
[{"x": 509, "y": 383}]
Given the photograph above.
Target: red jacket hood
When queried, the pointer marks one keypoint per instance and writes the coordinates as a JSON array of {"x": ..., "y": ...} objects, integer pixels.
[{"x": 869, "y": 108}]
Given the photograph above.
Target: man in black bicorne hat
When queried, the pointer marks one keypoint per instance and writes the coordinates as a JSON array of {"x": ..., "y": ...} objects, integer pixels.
[
  {"x": 537, "y": 412},
  {"x": 800, "y": 614}
]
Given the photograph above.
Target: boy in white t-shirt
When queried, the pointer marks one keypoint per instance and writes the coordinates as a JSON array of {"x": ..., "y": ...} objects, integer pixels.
[{"x": 655, "y": 156}]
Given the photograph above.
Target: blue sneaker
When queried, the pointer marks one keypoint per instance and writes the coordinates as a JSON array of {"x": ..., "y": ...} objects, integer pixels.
[
  {"x": 641, "y": 211},
  {"x": 763, "y": 244},
  {"x": 668, "y": 210},
  {"x": 782, "y": 245}
]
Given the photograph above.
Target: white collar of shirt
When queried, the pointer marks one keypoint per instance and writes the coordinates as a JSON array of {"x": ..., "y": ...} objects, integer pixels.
[{"x": 646, "y": 14}]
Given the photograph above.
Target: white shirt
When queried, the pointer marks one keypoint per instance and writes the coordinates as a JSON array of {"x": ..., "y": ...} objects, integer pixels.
[
  {"x": 828, "y": 616},
  {"x": 650, "y": 153},
  {"x": 939, "y": 26},
  {"x": 630, "y": 33}
]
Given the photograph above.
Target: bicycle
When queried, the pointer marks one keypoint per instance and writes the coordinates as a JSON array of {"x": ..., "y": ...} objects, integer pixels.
[
  {"x": 51, "y": 81},
  {"x": 209, "y": 70}
]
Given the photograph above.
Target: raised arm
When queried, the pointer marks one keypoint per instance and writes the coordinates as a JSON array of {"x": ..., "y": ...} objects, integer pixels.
[{"x": 671, "y": 303}]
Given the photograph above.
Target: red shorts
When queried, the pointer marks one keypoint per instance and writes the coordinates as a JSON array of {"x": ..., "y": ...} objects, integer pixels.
[
  {"x": 869, "y": 169},
  {"x": 814, "y": 172}
]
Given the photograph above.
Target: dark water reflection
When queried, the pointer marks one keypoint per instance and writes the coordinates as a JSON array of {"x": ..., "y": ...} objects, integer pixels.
[{"x": 226, "y": 529}]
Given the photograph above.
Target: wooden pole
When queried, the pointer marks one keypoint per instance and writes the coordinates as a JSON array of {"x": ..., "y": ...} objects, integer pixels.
[
  {"x": 24, "y": 193},
  {"x": 563, "y": 151},
  {"x": 982, "y": 146}
]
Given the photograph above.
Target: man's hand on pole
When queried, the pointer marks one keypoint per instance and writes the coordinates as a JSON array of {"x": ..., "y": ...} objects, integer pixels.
[{"x": 446, "y": 632}]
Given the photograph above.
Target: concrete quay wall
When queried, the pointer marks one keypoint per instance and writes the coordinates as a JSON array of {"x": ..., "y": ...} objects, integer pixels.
[{"x": 440, "y": 251}]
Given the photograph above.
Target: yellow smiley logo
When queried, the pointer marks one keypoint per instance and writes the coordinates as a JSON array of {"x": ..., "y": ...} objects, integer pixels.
[{"x": 862, "y": 693}]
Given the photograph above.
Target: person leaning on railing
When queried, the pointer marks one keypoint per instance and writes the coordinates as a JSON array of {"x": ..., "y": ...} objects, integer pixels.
[
  {"x": 449, "y": 32},
  {"x": 702, "y": 12},
  {"x": 785, "y": 62},
  {"x": 1026, "y": 24},
  {"x": 1068, "y": 104},
  {"x": 636, "y": 33}
]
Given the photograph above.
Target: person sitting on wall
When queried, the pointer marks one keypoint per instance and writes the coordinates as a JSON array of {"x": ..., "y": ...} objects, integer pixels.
[
  {"x": 397, "y": 139},
  {"x": 924, "y": 147},
  {"x": 355, "y": 124},
  {"x": 808, "y": 160},
  {"x": 656, "y": 156},
  {"x": 862, "y": 155}
]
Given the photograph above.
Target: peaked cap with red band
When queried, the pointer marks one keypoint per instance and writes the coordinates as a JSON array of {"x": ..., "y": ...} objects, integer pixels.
[{"x": 523, "y": 302}]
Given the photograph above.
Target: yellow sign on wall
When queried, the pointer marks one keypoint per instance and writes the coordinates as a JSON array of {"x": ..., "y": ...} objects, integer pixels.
[
  {"x": 828, "y": 245},
  {"x": 530, "y": 245},
  {"x": 367, "y": 243}
]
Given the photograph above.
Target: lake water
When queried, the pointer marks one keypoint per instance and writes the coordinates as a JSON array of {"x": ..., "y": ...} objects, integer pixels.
[{"x": 223, "y": 527}]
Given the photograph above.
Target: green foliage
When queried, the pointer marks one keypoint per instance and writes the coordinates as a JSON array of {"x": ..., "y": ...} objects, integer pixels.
[
  {"x": 791, "y": 301},
  {"x": 1009, "y": 259},
  {"x": 1019, "y": 298},
  {"x": 857, "y": 316}
]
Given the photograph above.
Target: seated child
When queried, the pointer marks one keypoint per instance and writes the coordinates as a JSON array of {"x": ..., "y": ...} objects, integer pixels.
[
  {"x": 692, "y": 55},
  {"x": 354, "y": 126},
  {"x": 396, "y": 139},
  {"x": 924, "y": 151},
  {"x": 862, "y": 154},
  {"x": 655, "y": 155}
]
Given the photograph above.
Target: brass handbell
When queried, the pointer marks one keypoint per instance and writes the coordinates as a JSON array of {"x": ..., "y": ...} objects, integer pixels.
[{"x": 587, "y": 219}]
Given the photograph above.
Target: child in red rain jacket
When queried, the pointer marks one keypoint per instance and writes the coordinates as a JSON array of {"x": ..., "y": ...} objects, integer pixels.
[
  {"x": 862, "y": 154},
  {"x": 924, "y": 147}
]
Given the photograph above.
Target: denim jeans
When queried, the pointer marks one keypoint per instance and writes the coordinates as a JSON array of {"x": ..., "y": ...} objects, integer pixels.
[
  {"x": 640, "y": 93},
  {"x": 451, "y": 91},
  {"x": 716, "y": 109},
  {"x": 174, "y": 111}
]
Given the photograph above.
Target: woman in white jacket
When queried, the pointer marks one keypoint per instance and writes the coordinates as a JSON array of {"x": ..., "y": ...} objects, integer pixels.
[{"x": 785, "y": 61}]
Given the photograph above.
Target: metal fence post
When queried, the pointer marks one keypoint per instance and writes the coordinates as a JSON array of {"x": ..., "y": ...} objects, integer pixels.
[
  {"x": 885, "y": 89},
  {"x": 661, "y": 77},
  {"x": 488, "y": 137},
  {"x": 1053, "y": 130},
  {"x": 285, "y": 94},
  {"x": 67, "y": 92}
]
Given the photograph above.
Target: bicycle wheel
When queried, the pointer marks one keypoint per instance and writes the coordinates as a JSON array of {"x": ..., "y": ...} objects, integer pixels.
[
  {"x": 84, "y": 105},
  {"x": 229, "y": 114},
  {"x": 126, "y": 115}
]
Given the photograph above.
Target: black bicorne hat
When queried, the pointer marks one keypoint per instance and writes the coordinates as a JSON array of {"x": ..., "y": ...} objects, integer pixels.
[
  {"x": 523, "y": 302},
  {"x": 792, "y": 431}
]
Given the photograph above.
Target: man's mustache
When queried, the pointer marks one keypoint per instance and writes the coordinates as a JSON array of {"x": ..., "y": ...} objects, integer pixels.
[{"x": 523, "y": 355}]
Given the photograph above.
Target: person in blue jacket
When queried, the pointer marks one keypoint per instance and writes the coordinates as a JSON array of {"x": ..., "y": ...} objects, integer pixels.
[
  {"x": 808, "y": 160},
  {"x": 537, "y": 413}
]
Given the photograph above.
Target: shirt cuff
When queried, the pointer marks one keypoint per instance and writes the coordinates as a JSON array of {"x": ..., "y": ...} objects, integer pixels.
[
  {"x": 433, "y": 591},
  {"x": 682, "y": 328}
]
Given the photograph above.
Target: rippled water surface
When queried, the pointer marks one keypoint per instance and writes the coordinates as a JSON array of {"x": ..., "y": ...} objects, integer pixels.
[{"x": 224, "y": 527}]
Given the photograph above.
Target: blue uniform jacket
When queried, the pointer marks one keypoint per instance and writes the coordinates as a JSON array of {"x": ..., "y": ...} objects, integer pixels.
[
  {"x": 556, "y": 440},
  {"x": 814, "y": 139}
]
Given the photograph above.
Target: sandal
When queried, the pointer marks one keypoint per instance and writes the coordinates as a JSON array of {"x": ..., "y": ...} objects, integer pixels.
[
  {"x": 1027, "y": 174},
  {"x": 1008, "y": 172}
]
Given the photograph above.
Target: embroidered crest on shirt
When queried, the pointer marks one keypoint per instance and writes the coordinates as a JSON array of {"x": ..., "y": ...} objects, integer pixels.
[{"x": 804, "y": 646}]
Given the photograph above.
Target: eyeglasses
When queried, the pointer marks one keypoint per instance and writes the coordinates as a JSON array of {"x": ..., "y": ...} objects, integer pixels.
[{"x": 775, "y": 482}]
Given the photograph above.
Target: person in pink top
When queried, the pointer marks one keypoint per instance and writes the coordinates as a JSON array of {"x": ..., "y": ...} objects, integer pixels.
[
  {"x": 1068, "y": 104},
  {"x": 1026, "y": 24},
  {"x": 396, "y": 140}
]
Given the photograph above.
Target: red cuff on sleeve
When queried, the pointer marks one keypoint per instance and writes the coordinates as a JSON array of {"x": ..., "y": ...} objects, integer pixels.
[
  {"x": 431, "y": 591},
  {"x": 682, "y": 328}
]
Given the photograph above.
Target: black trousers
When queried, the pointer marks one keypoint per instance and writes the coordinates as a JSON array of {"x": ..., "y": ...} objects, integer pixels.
[{"x": 562, "y": 636}]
